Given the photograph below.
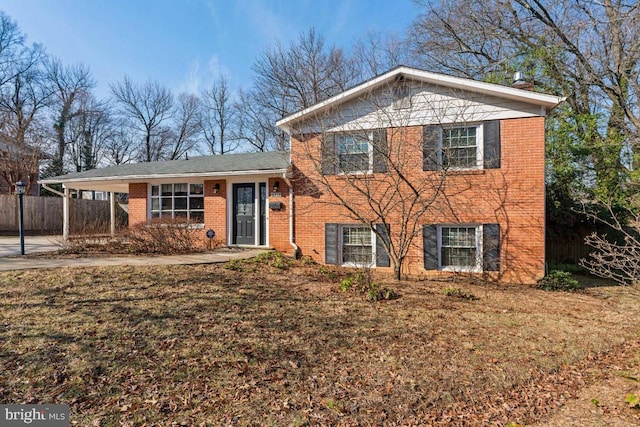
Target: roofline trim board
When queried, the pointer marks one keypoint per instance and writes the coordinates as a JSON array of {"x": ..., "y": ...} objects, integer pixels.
[
  {"x": 542, "y": 99},
  {"x": 165, "y": 176}
]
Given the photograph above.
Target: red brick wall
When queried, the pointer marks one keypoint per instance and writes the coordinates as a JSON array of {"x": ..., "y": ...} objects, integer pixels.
[
  {"x": 512, "y": 196},
  {"x": 215, "y": 209},
  {"x": 279, "y": 219},
  {"x": 137, "y": 203}
]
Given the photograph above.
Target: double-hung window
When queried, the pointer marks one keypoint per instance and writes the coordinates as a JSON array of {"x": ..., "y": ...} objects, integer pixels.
[
  {"x": 354, "y": 152},
  {"x": 179, "y": 200},
  {"x": 459, "y": 248},
  {"x": 357, "y": 247},
  {"x": 462, "y": 247},
  {"x": 461, "y": 147}
]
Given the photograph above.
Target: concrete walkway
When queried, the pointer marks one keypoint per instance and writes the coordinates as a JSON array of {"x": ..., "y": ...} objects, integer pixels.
[
  {"x": 10, "y": 246},
  {"x": 10, "y": 258}
]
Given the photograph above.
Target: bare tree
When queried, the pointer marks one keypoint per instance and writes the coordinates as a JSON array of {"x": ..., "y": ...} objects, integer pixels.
[
  {"x": 16, "y": 57},
  {"x": 24, "y": 95},
  {"x": 120, "y": 146},
  {"x": 218, "y": 118},
  {"x": 146, "y": 108},
  {"x": 375, "y": 53},
  {"x": 70, "y": 85},
  {"x": 303, "y": 74},
  {"x": 255, "y": 127},
  {"x": 616, "y": 254},
  {"x": 89, "y": 132},
  {"x": 183, "y": 136}
]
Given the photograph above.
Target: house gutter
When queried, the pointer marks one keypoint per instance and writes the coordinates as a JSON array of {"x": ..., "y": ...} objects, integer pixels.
[{"x": 292, "y": 242}]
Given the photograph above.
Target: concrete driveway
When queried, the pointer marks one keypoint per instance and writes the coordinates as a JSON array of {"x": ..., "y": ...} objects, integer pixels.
[
  {"x": 10, "y": 259},
  {"x": 10, "y": 246}
]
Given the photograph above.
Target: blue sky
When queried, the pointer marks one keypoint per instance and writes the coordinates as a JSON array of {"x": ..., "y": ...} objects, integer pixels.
[{"x": 182, "y": 43}]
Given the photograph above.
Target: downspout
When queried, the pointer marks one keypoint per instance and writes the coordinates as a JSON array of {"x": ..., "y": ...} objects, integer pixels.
[
  {"x": 53, "y": 190},
  {"x": 296, "y": 248}
]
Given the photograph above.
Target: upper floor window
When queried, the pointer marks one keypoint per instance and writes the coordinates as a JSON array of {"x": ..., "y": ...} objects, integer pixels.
[
  {"x": 457, "y": 146},
  {"x": 354, "y": 153},
  {"x": 180, "y": 200},
  {"x": 461, "y": 147}
]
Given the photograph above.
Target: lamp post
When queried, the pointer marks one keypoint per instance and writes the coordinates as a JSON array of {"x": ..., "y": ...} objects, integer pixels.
[{"x": 21, "y": 187}]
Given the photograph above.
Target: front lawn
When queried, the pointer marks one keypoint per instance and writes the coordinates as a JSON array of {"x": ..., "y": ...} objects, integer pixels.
[{"x": 271, "y": 345}]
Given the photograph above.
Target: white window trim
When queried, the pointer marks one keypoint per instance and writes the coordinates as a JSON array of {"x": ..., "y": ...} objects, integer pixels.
[
  {"x": 195, "y": 225},
  {"x": 229, "y": 194},
  {"x": 369, "y": 135},
  {"x": 372, "y": 264},
  {"x": 475, "y": 269},
  {"x": 479, "y": 144}
]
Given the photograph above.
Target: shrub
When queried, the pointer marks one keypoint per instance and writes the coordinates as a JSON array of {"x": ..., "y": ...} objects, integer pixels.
[
  {"x": 165, "y": 236},
  {"x": 234, "y": 265},
  {"x": 364, "y": 285},
  {"x": 454, "y": 292},
  {"x": 633, "y": 400},
  {"x": 346, "y": 284},
  {"x": 558, "y": 281},
  {"x": 273, "y": 259},
  {"x": 307, "y": 260}
]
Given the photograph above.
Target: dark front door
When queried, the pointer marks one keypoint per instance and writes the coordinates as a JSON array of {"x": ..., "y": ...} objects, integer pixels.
[{"x": 244, "y": 203}]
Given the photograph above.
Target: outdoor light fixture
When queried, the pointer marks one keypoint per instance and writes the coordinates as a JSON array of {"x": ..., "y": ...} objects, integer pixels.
[
  {"x": 276, "y": 186},
  {"x": 21, "y": 187},
  {"x": 216, "y": 188}
]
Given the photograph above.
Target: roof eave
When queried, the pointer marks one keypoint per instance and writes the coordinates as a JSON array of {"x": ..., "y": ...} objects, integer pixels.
[
  {"x": 164, "y": 176},
  {"x": 544, "y": 100}
]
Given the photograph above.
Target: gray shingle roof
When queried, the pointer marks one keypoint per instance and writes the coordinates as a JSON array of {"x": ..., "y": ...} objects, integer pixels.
[{"x": 232, "y": 164}]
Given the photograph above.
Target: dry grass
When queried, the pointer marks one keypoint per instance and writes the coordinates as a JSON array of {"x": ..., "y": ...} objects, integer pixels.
[{"x": 205, "y": 345}]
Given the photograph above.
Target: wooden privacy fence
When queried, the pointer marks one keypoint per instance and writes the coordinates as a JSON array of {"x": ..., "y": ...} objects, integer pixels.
[
  {"x": 567, "y": 250},
  {"x": 44, "y": 215}
]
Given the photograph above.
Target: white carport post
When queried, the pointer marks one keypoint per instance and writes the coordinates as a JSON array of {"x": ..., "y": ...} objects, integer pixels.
[
  {"x": 112, "y": 199},
  {"x": 65, "y": 214}
]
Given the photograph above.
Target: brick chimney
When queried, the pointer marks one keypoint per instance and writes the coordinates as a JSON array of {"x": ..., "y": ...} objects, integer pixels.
[{"x": 519, "y": 82}]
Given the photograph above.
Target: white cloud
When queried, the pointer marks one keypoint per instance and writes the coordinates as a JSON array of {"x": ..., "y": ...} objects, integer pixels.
[{"x": 200, "y": 77}]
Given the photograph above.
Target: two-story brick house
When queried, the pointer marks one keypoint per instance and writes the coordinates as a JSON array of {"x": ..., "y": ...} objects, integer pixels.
[
  {"x": 434, "y": 172},
  {"x": 448, "y": 172}
]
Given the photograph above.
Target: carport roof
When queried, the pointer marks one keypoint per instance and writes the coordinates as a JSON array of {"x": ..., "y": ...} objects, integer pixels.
[{"x": 117, "y": 178}]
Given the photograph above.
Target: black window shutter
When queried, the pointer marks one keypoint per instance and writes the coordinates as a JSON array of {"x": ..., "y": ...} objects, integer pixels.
[
  {"x": 380, "y": 150},
  {"x": 430, "y": 246},
  {"x": 431, "y": 148},
  {"x": 491, "y": 247},
  {"x": 491, "y": 135},
  {"x": 328, "y": 151},
  {"x": 331, "y": 244},
  {"x": 382, "y": 256}
]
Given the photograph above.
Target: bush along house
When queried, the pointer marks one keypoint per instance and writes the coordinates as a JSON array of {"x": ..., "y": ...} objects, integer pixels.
[{"x": 410, "y": 172}]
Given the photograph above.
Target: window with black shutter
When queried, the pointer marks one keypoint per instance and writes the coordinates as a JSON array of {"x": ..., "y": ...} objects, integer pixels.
[
  {"x": 461, "y": 247},
  {"x": 354, "y": 152},
  {"x": 461, "y": 146},
  {"x": 353, "y": 245}
]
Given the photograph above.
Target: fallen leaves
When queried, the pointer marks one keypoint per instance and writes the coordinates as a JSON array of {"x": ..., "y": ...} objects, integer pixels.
[{"x": 204, "y": 345}]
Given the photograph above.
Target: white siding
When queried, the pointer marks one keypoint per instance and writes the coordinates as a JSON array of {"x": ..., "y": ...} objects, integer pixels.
[{"x": 430, "y": 104}]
